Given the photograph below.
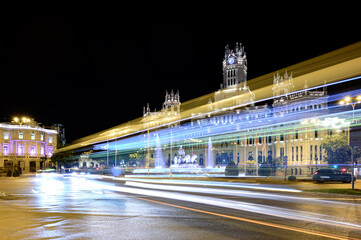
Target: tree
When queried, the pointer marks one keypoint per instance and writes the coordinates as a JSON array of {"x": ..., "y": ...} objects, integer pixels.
[
  {"x": 63, "y": 158},
  {"x": 138, "y": 158},
  {"x": 337, "y": 149}
]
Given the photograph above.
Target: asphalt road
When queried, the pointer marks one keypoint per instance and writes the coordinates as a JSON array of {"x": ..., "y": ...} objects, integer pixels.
[{"x": 66, "y": 207}]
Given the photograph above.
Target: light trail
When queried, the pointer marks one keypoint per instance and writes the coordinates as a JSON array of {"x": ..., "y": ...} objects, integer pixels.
[
  {"x": 237, "y": 205},
  {"x": 254, "y": 186},
  {"x": 337, "y": 67},
  {"x": 263, "y": 223},
  {"x": 261, "y": 127},
  {"x": 240, "y": 193}
]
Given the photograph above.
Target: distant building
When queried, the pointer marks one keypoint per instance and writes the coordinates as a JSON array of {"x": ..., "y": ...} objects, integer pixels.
[
  {"x": 26, "y": 146},
  {"x": 61, "y": 136}
]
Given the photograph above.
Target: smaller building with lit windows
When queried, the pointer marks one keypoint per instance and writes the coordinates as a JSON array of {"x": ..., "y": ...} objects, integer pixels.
[{"x": 25, "y": 145}]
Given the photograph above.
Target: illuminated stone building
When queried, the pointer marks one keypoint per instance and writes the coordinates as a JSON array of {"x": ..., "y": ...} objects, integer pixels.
[
  {"x": 285, "y": 132},
  {"x": 234, "y": 80},
  {"x": 26, "y": 145},
  {"x": 170, "y": 111},
  {"x": 289, "y": 131}
]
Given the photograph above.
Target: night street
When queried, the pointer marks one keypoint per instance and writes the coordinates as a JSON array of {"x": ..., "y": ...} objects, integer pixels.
[
  {"x": 238, "y": 122},
  {"x": 52, "y": 206}
]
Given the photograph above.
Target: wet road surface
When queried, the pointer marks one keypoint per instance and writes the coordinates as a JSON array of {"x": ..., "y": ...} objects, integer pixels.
[{"x": 66, "y": 207}]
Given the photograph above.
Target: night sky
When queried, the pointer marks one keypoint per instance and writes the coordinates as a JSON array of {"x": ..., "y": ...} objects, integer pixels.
[{"x": 93, "y": 70}]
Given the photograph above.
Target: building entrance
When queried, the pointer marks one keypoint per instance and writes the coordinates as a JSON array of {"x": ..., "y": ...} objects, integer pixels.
[{"x": 32, "y": 166}]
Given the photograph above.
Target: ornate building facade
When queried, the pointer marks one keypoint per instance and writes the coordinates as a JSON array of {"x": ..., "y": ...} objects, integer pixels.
[
  {"x": 170, "y": 111},
  {"x": 287, "y": 132},
  {"x": 26, "y": 146}
]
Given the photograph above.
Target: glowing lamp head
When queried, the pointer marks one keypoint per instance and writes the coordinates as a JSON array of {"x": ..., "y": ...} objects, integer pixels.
[
  {"x": 16, "y": 119},
  {"x": 358, "y": 98},
  {"x": 347, "y": 99}
]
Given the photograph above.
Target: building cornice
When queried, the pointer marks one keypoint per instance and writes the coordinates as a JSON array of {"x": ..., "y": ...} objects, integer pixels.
[{"x": 27, "y": 127}]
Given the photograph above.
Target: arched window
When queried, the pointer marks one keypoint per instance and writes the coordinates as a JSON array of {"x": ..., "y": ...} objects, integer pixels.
[
  {"x": 20, "y": 149},
  {"x": 32, "y": 150}
]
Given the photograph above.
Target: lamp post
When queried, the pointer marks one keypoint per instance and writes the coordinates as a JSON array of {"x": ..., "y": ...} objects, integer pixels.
[
  {"x": 171, "y": 153},
  {"x": 347, "y": 101}
]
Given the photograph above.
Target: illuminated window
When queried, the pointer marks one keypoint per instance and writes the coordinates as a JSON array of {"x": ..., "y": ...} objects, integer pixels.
[
  {"x": 6, "y": 150},
  {"x": 32, "y": 150},
  {"x": 6, "y": 135},
  {"x": 41, "y": 137},
  {"x": 50, "y": 139},
  {"x": 20, "y": 149},
  {"x": 32, "y": 136},
  {"x": 42, "y": 150},
  {"x": 21, "y": 135}
]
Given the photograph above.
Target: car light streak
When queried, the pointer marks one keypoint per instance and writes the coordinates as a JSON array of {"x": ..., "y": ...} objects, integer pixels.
[
  {"x": 345, "y": 69},
  {"x": 328, "y": 235},
  {"x": 254, "y": 186},
  {"x": 237, "y": 205},
  {"x": 231, "y": 132},
  {"x": 238, "y": 193}
]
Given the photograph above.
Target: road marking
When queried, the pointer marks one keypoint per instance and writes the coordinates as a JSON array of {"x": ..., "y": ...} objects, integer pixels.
[{"x": 320, "y": 234}]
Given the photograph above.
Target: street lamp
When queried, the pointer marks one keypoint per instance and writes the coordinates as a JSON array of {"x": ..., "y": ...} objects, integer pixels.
[{"x": 348, "y": 100}]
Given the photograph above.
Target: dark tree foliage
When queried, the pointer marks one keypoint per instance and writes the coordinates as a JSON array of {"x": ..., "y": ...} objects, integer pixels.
[{"x": 337, "y": 149}]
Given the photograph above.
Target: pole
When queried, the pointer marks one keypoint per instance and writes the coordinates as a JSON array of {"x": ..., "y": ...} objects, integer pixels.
[
  {"x": 170, "y": 160},
  {"x": 245, "y": 153},
  {"x": 148, "y": 152},
  {"x": 107, "y": 153},
  {"x": 353, "y": 167},
  {"x": 115, "y": 156},
  {"x": 352, "y": 152},
  {"x": 256, "y": 154},
  {"x": 285, "y": 157}
]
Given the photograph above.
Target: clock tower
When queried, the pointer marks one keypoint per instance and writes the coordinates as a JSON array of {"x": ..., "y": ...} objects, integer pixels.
[
  {"x": 234, "y": 90},
  {"x": 234, "y": 67}
]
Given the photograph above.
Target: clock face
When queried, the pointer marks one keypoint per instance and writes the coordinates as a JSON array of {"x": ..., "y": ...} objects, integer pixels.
[{"x": 231, "y": 60}]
